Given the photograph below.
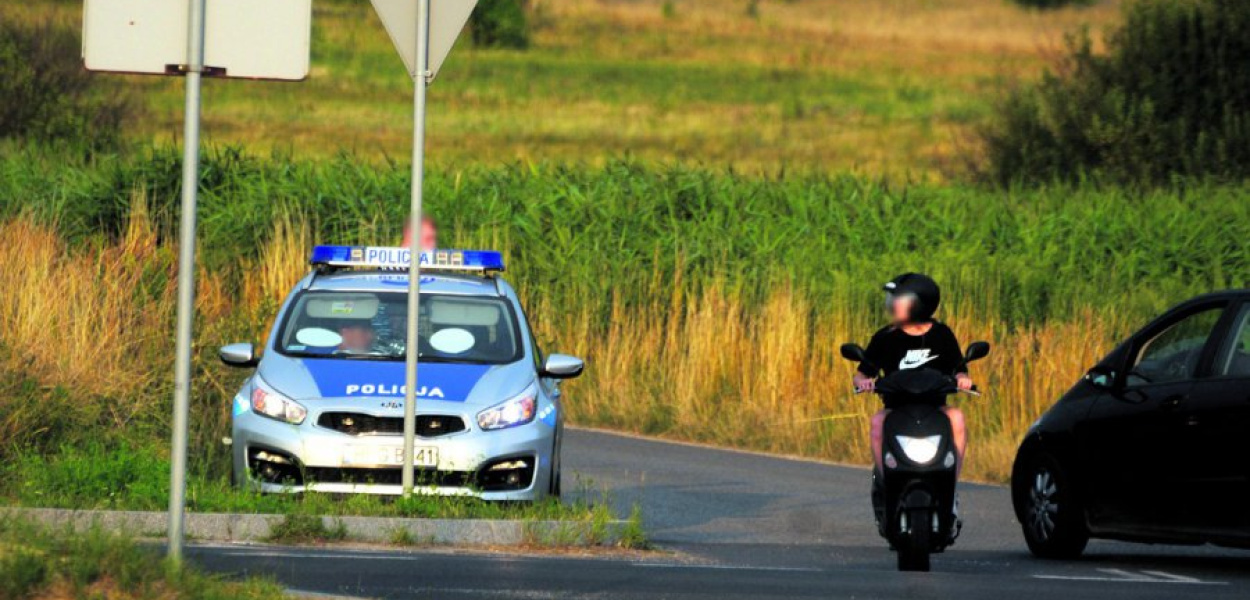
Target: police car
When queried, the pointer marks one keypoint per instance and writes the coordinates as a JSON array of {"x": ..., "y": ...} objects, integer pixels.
[{"x": 323, "y": 410}]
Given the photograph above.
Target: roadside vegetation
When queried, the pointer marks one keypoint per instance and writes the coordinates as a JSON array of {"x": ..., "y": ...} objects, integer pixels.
[
  {"x": 1167, "y": 99},
  {"x": 41, "y": 563},
  {"x": 709, "y": 301},
  {"x": 709, "y": 306},
  {"x": 44, "y": 92}
]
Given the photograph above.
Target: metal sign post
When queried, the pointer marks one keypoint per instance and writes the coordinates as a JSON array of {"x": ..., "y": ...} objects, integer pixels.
[
  {"x": 420, "y": 82},
  {"x": 424, "y": 32},
  {"x": 186, "y": 278},
  {"x": 240, "y": 39}
]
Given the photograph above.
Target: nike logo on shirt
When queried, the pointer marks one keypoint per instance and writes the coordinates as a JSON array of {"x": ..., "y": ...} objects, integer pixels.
[{"x": 916, "y": 359}]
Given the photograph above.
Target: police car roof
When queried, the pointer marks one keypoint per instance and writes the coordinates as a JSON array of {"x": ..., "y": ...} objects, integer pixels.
[{"x": 393, "y": 281}]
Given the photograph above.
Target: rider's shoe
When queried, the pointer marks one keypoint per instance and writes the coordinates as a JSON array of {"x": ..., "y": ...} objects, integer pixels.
[{"x": 957, "y": 524}]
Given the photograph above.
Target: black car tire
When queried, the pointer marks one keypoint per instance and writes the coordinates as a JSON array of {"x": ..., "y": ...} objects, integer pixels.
[
  {"x": 554, "y": 489},
  {"x": 555, "y": 483},
  {"x": 1051, "y": 515}
]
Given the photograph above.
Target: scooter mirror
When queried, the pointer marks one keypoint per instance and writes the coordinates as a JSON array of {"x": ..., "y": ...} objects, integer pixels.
[
  {"x": 854, "y": 352},
  {"x": 976, "y": 351}
]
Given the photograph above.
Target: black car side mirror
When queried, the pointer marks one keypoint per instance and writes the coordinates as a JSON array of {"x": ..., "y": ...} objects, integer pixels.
[
  {"x": 854, "y": 352},
  {"x": 976, "y": 351},
  {"x": 1102, "y": 378}
]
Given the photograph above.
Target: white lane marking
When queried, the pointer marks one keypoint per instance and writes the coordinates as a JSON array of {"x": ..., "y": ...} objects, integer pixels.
[
  {"x": 280, "y": 554},
  {"x": 298, "y": 593},
  {"x": 725, "y": 567},
  {"x": 1177, "y": 578},
  {"x": 1122, "y": 576}
]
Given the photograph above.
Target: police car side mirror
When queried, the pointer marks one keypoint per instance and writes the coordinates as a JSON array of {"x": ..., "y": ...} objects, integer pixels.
[
  {"x": 242, "y": 356},
  {"x": 976, "y": 351},
  {"x": 562, "y": 366}
]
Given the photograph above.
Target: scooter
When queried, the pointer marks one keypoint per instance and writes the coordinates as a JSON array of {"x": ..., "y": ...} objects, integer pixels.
[{"x": 914, "y": 491}]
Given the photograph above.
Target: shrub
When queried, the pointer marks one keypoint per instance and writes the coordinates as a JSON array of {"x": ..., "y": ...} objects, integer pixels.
[
  {"x": 1169, "y": 98},
  {"x": 500, "y": 24},
  {"x": 45, "y": 94}
]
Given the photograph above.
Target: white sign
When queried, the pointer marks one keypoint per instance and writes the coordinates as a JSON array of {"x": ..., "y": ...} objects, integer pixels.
[
  {"x": 250, "y": 39},
  {"x": 447, "y": 18}
]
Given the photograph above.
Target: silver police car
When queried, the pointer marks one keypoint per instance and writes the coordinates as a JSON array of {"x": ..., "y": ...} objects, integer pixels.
[{"x": 324, "y": 409}]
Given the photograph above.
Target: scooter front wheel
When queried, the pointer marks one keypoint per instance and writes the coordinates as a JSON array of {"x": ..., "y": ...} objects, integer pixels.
[{"x": 913, "y": 552}]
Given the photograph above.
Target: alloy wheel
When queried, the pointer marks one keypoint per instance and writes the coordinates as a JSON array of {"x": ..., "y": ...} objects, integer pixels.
[{"x": 1043, "y": 509}]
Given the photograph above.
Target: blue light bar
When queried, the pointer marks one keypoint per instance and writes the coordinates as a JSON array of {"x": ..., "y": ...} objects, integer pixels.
[{"x": 398, "y": 258}]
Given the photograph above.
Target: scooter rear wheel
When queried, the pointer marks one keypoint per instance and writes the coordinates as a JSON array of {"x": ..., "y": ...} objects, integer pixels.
[{"x": 913, "y": 552}]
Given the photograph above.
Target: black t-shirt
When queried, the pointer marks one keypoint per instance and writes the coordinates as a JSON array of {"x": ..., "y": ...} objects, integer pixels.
[{"x": 892, "y": 349}]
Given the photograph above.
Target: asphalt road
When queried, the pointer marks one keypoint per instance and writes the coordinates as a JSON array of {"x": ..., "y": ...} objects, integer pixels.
[{"x": 739, "y": 525}]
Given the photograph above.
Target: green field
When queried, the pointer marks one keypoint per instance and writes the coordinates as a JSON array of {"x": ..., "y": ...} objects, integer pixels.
[
  {"x": 700, "y": 202},
  {"x": 875, "y": 86},
  {"x": 705, "y": 303}
]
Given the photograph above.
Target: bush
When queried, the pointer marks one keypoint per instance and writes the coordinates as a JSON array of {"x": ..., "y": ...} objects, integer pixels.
[
  {"x": 1170, "y": 98},
  {"x": 45, "y": 94},
  {"x": 500, "y": 24}
]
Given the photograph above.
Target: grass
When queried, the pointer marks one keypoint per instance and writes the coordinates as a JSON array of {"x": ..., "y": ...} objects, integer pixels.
[
  {"x": 125, "y": 475},
  {"x": 297, "y": 528},
  {"x": 709, "y": 305},
  {"x": 879, "y": 86},
  {"x": 38, "y": 562}
]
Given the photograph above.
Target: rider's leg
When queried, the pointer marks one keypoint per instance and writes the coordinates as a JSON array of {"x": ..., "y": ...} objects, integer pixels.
[
  {"x": 877, "y": 436},
  {"x": 959, "y": 430}
]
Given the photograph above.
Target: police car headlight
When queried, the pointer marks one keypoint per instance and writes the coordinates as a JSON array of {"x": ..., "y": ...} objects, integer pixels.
[
  {"x": 268, "y": 403},
  {"x": 517, "y": 411},
  {"x": 921, "y": 451}
]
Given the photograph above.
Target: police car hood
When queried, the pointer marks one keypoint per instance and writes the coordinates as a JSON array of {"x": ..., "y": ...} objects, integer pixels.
[{"x": 309, "y": 380}]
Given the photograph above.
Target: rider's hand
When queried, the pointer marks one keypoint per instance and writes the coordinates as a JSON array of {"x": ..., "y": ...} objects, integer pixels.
[
  {"x": 964, "y": 382},
  {"x": 863, "y": 383}
]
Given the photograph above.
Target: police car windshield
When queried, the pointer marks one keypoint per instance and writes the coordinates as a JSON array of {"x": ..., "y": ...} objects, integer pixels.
[{"x": 373, "y": 326}]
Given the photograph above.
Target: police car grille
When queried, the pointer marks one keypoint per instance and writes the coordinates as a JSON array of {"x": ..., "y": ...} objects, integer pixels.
[
  {"x": 428, "y": 426},
  {"x": 389, "y": 476}
]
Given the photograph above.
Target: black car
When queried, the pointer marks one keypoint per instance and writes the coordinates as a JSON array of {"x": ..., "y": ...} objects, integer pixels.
[{"x": 1153, "y": 444}]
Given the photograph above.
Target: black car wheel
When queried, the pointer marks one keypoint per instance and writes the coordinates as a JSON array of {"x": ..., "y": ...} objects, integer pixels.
[{"x": 1050, "y": 512}]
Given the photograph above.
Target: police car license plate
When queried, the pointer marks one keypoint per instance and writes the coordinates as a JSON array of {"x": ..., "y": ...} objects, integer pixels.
[{"x": 390, "y": 456}]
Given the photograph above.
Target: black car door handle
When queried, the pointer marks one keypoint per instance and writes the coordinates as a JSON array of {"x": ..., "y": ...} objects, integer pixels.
[{"x": 1172, "y": 402}]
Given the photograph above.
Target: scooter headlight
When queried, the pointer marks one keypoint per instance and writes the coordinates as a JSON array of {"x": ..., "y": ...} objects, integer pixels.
[{"x": 921, "y": 451}]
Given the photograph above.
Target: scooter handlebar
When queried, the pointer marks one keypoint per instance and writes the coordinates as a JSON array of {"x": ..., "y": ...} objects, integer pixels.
[{"x": 971, "y": 392}]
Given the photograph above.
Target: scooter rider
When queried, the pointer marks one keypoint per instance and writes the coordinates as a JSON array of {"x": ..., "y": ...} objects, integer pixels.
[{"x": 912, "y": 340}]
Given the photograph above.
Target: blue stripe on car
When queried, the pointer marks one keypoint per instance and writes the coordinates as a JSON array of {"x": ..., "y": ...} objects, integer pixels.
[{"x": 337, "y": 378}]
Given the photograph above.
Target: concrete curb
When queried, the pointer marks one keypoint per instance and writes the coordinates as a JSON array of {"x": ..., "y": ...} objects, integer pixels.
[{"x": 225, "y": 527}]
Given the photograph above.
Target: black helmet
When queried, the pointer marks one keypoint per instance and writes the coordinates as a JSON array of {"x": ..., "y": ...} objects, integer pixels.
[{"x": 925, "y": 291}]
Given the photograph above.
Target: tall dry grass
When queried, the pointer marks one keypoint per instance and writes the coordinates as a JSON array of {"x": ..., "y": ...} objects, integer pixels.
[
  {"x": 702, "y": 365},
  {"x": 771, "y": 379}
]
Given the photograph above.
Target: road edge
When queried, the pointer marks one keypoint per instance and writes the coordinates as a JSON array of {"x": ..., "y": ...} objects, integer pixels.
[{"x": 237, "y": 527}]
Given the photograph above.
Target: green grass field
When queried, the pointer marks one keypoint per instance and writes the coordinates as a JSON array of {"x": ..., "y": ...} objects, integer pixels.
[
  {"x": 705, "y": 303},
  {"x": 701, "y": 202},
  {"x": 876, "y": 86}
]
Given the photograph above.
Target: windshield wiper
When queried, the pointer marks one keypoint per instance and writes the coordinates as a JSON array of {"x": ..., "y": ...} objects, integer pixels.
[
  {"x": 377, "y": 357},
  {"x": 445, "y": 360}
]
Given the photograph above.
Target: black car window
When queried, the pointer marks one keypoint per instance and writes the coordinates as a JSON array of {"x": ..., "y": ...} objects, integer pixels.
[
  {"x": 1234, "y": 361},
  {"x": 1173, "y": 355}
]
